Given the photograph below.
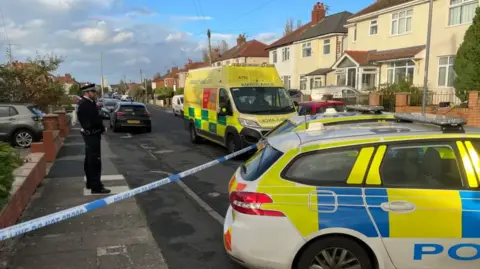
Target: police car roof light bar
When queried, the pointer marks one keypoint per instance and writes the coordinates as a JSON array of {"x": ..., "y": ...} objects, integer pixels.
[
  {"x": 366, "y": 108},
  {"x": 447, "y": 124}
]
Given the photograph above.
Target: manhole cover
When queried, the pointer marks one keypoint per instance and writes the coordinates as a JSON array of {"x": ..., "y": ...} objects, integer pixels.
[{"x": 214, "y": 194}]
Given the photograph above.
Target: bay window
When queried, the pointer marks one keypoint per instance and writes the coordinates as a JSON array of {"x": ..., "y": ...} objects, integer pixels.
[{"x": 401, "y": 70}]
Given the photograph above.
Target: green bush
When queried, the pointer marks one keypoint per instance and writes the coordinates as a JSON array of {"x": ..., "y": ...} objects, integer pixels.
[
  {"x": 9, "y": 160},
  {"x": 388, "y": 92}
]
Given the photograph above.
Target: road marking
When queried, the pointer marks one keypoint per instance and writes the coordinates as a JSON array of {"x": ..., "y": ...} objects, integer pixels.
[
  {"x": 146, "y": 146},
  {"x": 114, "y": 189},
  {"x": 214, "y": 194},
  {"x": 163, "y": 151},
  {"x": 129, "y": 135},
  {"x": 109, "y": 178},
  {"x": 195, "y": 197}
]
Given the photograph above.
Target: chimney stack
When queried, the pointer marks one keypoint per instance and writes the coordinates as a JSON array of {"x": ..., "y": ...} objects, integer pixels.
[
  {"x": 190, "y": 61},
  {"x": 318, "y": 12},
  {"x": 241, "y": 39}
]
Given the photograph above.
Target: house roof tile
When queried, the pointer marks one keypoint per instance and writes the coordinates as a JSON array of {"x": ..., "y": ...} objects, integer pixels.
[
  {"x": 330, "y": 25},
  {"x": 289, "y": 38},
  {"x": 252, "y": 48},
  {"x": 379, "y": 5},
  {"x": 320, "y": 72},
  {"x": 368, "y": 57}
]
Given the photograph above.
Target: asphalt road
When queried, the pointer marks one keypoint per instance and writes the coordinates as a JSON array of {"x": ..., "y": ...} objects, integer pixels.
[{"x": 185, "y": 218}]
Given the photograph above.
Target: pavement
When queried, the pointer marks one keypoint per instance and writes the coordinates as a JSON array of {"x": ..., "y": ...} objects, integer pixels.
[{"x": 176, "y": 226}]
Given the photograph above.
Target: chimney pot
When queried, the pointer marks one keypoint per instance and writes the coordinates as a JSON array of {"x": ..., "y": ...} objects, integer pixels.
[
  {"x": 318, "y": 12},
  {"x": 240, "y": 39}
]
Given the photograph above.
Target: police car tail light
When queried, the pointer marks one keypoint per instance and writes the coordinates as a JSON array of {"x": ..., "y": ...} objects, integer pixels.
[
  {"x": 120, "y": 113},
  {"x": 250, "y": 203}
]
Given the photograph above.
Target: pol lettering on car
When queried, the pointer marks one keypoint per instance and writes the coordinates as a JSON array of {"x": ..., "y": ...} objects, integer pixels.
[{"x": 454, "y": 252}]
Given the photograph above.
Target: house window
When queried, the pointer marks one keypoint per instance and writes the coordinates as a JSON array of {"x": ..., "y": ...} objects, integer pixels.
[
  {"x": 373, "y": 27},
  {"x": 402, "y": 22},
  {"x": 398, "y": 71},
  {"x": 368, "y": 81},
  {"x": 461, "y": 11},
  {"x": 274, "y": 56},
  {"x": 227, "y": 62},
  {"x": 316, "y": 83},
  {"x": 341, "y": 77},
  {"x": 326, "y": 46},
  {"x": 237, "y": 60},
  {"x": 446, "y": 75},
  {"x": 307, "y": 49},
  {"x": 286, "y": 82},
  {"x": 303, "y": 83},
  {"x": 285, "y": 54}
]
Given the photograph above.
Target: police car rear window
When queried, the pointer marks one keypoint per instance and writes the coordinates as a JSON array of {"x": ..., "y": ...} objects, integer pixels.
[
  {"x": 284, "y": 127},
  {"x": 259, "y": 163},
  {"x": 132, "y": 108}
]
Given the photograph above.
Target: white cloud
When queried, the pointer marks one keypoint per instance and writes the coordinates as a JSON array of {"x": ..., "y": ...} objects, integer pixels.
[
  {"x": 177, "y": 36},
  {"x": 71, "y": 4},
  {"x": 267, "y": 38},
  {"x": 80, "y": 64},
  {"x": 122, "y": 37},
  {"x": 35, "y": 23},
  {"x": 193, "y": 18},
  {"x": 91, "y": 36},
  {"x": 139, "y": 60}
]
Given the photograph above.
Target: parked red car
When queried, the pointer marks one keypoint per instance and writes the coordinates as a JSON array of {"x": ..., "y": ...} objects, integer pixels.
[{"x": 315, "y": 107}]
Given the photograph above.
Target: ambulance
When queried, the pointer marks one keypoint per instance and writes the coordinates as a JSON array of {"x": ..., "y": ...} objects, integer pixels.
[{"x": 234, "y": 105}]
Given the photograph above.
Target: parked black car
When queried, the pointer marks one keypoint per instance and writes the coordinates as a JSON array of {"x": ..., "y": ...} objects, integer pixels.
[{"x": 130, "y": 115}]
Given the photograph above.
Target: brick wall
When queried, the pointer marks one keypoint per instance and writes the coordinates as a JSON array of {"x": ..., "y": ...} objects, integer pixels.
[{"x": 402, "y": 104}]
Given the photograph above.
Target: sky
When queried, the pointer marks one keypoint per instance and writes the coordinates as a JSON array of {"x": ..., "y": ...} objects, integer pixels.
[{"x": 147, "y": 35}]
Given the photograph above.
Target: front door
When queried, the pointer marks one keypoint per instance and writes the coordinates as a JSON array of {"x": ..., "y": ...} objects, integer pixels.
[
  {"x": 413, "y": 195},
  {"x": 352, "y": 77}
]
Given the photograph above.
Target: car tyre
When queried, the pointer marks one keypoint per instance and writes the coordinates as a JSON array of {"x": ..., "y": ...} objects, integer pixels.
[
  {"x": 148, "y": 129},
  {"x": 174, "y": 114},
  {"x": 194, "y": 138},
  {"x": 115, "y": 128},
  {"x": 22, "y": 138},
  {"x": 356, "y": 253},
  {"x": 233, "y": 143}
]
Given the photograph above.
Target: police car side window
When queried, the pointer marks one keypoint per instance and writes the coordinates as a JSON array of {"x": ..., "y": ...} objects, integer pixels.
[
  {"x": 4, "y": 111},
  {"x": 422, "y": 166},
  {"x": 322, "y": 168}
]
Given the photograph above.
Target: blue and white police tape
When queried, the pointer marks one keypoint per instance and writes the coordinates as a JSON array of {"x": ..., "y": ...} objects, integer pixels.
[{"x": 35, "y": 224}]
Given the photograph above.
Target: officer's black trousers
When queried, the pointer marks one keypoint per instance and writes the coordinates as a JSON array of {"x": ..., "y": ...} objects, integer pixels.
[{"x": 93, "y": 161}]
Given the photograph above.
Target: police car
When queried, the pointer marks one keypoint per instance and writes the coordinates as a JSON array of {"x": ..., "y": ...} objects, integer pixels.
[
  {"x": 380, "y": 195},
  {"x": 354, "y": 114}
]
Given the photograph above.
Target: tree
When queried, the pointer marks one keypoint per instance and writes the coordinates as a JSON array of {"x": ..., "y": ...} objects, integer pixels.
[
  {"x": 32, "y": 81},
  {"x": 75, "y": 89},
  {"x": 157, "y": 76},
  {"x": 222, "y": 47},
  {"x": 122, "y": 87},
  {"x": 467, "y": 61},
  {"x": 288, "y": 27}
]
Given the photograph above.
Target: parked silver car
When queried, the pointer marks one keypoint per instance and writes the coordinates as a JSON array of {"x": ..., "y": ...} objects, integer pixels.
[
  {"x": 20, "y": 124},
  {"x": 347, "y": 94}
]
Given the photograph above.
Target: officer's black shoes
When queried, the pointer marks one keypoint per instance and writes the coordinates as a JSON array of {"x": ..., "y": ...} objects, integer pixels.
[{"x": 101, "y": 191}]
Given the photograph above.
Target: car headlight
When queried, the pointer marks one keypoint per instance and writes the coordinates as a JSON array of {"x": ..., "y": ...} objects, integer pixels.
[{"x": 248, "y": 123}]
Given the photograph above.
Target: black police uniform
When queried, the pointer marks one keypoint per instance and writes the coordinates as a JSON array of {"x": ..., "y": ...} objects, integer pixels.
[{"x": 92, "y": 129}]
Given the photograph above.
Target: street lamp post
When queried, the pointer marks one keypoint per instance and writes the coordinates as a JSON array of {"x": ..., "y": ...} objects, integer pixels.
[
  {"x": 427, "y": 57},
  {"x": 101, "y": 71}
]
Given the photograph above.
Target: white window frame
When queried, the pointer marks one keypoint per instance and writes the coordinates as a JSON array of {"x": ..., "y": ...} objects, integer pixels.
[
  {"x": 288, "y": 79},
  {"x": 326, "y": 43},
  {"x": 317, "y": 82},
  {"x": 373, "y": 25},
  {"x": 303, "y": 79},
  {"x": 460, "y": 5},
  {"x": 274, "y": 57},
  {"x": 306, "y": 47},
  {"x": 450, "y": 62},
  {"x": 407, "y": 66},
  {"x": 407, "y": 14},
  {"x": 285, "y": 54}
]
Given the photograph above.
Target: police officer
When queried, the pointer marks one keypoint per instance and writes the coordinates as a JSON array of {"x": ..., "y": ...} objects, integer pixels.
[{"x": 92, "y": 129}]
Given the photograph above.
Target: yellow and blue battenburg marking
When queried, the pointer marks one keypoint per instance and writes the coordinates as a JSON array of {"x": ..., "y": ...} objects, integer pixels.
[{"x": 348, "y": 211}]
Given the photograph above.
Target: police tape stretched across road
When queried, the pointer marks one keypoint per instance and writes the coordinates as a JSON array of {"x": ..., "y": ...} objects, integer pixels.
[{"x": 35, "y": 224}]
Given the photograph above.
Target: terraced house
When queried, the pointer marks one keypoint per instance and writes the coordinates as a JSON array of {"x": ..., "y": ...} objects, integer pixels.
[
  {"x": 386, "y": 43},
  {"x": 304, "y": 57}
]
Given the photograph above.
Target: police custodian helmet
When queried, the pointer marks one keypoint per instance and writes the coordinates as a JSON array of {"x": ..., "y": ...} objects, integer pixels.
[{"x": 88, "y": 87}]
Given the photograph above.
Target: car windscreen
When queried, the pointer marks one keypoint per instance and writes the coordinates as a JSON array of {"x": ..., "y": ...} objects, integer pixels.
[
  {"x": 262, "y": 100},
  {"x": 259, "y": 163},
  {"x": 130, "y": 109},
  {"x": 284, "y": 127}
]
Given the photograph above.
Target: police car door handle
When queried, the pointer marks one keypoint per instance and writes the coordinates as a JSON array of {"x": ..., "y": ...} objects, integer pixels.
[{"x": 398, "y": 206}]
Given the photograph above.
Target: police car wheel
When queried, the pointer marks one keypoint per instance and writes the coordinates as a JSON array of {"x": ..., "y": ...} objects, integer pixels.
[
  {"x": 334, "y": 252},
  {"x": 174, "y": 114}
]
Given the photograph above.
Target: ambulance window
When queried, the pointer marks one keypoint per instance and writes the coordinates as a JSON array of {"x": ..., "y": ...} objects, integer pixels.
[
  {"x": 421, "y": 166},
  {"x": 222, "y": 97},
  {"x": 259, "y": 163},
  {"x": 321, "y": 168}
]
